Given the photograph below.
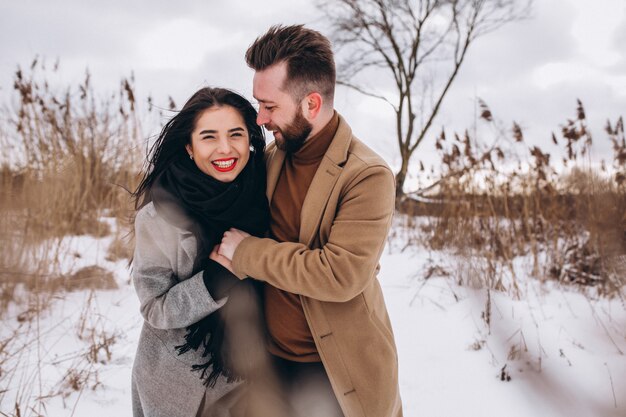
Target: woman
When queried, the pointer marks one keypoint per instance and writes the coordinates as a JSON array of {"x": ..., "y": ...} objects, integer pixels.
[{"x": 206, "y": 175}]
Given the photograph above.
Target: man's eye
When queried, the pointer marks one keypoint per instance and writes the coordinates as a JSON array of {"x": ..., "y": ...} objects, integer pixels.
[{"x": 270, "y": 108}]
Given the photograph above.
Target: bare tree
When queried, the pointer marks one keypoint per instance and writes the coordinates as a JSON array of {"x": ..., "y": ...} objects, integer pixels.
[{"x": 411, "y": 41}]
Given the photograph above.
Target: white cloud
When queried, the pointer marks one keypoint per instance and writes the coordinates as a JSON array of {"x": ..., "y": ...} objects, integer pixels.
[
  {"x": 594, "y": 27},
  {"x": 554, "y": 73},
  {"x": 179, "y": 44},
  {"x": 530, "y": 71}
]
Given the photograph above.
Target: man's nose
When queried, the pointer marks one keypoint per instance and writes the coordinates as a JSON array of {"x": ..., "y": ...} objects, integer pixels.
[{"x": 262, "y": 117}]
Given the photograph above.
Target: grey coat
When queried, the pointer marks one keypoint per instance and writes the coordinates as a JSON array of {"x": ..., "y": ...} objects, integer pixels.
[{"x": 171, "y": 298}]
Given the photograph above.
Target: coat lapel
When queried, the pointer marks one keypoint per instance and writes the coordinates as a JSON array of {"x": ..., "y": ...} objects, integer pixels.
[
  {"x": 316, "y": 199},
  {"x": 274, "y": 164},
  {"x": 323, "y": 183}
]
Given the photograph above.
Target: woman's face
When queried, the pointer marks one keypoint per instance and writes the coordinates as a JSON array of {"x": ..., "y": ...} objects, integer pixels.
[{"x": 220, "y": 145}]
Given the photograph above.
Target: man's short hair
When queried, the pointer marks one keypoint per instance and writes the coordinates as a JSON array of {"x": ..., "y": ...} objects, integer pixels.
[{"x": 309, "y": 58}]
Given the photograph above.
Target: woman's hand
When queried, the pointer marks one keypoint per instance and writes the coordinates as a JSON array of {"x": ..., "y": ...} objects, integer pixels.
[
  {"x": 232, "y": 238},
  {"x": 220, "y": 259}
]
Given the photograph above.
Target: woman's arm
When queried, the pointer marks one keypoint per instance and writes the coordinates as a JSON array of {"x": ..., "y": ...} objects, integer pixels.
[{"x": 161, "y": 253}]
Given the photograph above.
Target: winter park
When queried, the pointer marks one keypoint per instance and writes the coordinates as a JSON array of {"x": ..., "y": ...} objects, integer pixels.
[{"x": 503, "y": 261}]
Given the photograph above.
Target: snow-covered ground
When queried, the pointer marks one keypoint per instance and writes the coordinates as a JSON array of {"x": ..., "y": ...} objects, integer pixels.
[
  {"x": 563, "y": 353},
  {"x": 462, "y": 351}
]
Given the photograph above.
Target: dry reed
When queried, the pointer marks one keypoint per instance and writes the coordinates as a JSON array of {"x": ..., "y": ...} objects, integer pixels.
[
  {"x": 72, "y": 157},
  {"x": 494, "y": 205}
]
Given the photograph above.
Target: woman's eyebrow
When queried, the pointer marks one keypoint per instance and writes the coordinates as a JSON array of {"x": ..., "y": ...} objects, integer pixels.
[{"x": 212, "y": 131}]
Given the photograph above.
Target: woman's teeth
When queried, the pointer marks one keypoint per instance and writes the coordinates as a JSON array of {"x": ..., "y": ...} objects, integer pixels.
[{"x": 224, "y": 163}]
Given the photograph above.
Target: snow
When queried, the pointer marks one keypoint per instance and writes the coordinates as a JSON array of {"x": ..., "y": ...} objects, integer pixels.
[{"x": 563, "y": 351}]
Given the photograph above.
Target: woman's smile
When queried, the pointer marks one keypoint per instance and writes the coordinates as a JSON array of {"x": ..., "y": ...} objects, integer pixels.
[{"x": 224, "y": 164}]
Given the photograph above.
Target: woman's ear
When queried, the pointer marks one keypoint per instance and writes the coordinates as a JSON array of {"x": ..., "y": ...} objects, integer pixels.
[{"x": 189, "y": 150}]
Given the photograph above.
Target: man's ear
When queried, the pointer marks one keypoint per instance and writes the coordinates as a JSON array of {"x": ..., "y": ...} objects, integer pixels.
[{"x": 313, "y": 105}]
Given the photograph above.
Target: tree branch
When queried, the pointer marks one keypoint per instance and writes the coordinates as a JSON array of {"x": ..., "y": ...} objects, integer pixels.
[{"x": 367, "y": 93}]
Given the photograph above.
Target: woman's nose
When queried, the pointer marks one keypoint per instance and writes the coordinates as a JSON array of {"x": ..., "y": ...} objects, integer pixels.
[{"x": 223, "y": 146}]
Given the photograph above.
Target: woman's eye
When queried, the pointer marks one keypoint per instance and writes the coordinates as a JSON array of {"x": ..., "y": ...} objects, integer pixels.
[{"x": 207, "y": 137}]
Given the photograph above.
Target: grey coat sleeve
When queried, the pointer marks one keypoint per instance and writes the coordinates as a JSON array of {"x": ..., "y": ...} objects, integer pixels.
[{"x": 164, "y": 256}]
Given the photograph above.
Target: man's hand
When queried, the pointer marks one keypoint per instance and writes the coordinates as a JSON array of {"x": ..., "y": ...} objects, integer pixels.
[
  {"x": 222, "y": 260},
  {"x": 232, "y": 238}
]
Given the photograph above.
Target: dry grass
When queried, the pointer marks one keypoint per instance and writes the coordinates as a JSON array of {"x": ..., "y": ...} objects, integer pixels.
[
  {"x": 28, "y": 381},
  {"x": 88, "y": 278},
  {"x": 499, "y": 203},
  {"x": 72, "y": 154},
  {"x": 122, "y": 246}
]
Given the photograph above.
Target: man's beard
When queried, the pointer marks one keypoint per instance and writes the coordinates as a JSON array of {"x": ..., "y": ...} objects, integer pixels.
[{"x": 294, "y": 134}]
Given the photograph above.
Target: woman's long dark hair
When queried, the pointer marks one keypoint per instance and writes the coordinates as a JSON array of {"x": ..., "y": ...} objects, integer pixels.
[
  {"x": 210, "y": 335},
  {"x": 170, "y": 144}
]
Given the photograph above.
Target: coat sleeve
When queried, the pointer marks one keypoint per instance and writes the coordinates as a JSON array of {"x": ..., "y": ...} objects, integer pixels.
[
  {"x": 161, "y": 255},
  {"x": 347, "y": 262}
]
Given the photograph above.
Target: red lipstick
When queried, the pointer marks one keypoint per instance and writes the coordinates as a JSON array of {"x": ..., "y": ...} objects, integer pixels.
[{"x": 224, "y": 164}]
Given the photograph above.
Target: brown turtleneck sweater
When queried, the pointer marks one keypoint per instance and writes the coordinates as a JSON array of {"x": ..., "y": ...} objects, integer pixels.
[{"x": 291, "y": 337}]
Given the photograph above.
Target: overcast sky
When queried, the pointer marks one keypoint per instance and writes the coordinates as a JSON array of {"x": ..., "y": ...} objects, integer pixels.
[{"x": 530, "y": 71}]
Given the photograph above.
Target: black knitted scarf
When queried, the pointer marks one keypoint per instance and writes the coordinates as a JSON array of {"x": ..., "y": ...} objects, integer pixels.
[
  {"x": 183, "y": 195},
  {"x": 192, "y": 200}
]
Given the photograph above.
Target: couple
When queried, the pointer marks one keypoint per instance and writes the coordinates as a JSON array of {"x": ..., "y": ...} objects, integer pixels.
[{"x": 274, "y": 300}]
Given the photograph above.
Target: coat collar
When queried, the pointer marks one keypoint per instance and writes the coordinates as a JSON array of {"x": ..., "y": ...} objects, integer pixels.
[{"x": 323, "y": 182}]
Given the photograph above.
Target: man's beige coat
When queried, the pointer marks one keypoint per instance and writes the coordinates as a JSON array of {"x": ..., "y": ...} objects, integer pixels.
[{"x": 344, "y": 224}]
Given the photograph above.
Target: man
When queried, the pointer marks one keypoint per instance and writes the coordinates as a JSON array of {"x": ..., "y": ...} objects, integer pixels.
[{"x": 331, "y": 201}]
